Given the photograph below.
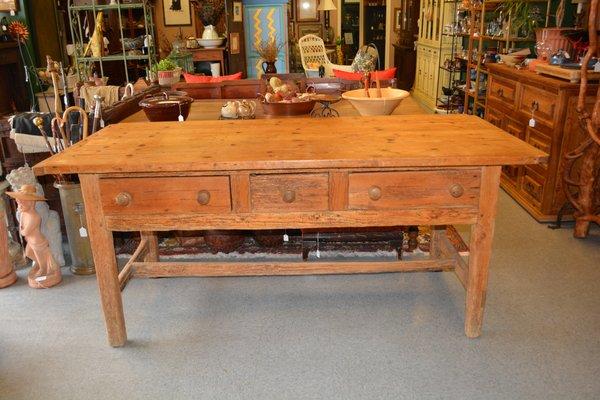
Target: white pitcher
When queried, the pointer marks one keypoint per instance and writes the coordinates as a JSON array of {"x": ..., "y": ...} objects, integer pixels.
[{"x": 210, "y": 32}]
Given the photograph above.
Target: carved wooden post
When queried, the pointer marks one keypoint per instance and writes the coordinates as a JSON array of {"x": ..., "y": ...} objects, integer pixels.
[{"x": 584, "y": 199}]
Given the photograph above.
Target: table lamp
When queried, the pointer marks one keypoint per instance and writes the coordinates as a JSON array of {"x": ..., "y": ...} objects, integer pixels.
[{"x": 327, "y": 5}]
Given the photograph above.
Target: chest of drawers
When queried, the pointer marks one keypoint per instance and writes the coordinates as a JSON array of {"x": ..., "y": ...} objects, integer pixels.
[{"x": 515, "y": 97}]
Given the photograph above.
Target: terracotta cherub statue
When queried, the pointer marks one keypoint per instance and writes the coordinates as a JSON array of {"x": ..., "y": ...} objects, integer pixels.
[{"x": 45, "y": 271}]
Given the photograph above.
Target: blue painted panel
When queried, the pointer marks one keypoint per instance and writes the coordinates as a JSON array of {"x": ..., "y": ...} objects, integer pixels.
[{"x": 264, "y": 19}]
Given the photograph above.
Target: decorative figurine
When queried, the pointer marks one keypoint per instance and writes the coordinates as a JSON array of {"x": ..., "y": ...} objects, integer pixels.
[
  {"x": 50, "y": 220},
  {"x": 96, "y": 43},
  {"x": 45, "y": 271}
]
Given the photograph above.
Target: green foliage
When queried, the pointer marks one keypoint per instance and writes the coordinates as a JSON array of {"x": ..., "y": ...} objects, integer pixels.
[
  {"x": 525, "y": 17},
  {"x": 166, "y": 64}
]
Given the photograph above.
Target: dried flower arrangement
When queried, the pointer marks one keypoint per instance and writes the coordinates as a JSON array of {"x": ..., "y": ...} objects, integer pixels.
[
  {"x": 209, "y": 11},
  {"x": 268, "y": 49}
]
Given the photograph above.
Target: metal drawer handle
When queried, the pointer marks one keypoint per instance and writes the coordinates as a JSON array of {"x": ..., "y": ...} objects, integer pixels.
[
  {"x": 500, "y": 92},
  {"x": 535, "y": 105},
  {"x": 289, "y": 196},
  {"x": 203, "y": 197},
  {"x": 123, "y": 199},
  {"x": 374, "y": 193},
  {"x": 457, "y": 190}
]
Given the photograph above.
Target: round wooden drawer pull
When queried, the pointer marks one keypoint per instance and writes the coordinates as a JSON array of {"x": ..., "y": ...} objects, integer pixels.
[
  {"x": 289, "y": 196},
  {"x": 123, "y": 199},
  {"x": 203, "y": 197},
  {"x": 375, "y": 193},
  {"x": 457, "y": 190}
]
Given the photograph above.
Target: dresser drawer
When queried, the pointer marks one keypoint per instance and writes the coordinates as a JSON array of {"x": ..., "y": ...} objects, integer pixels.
[
  {"x": 532, "y": 185},
  {"x": 540, "y": 102},
  {"x": 289, "y": 192},
  {"x": 168, "y": 195},
  {"x": 412, "y": 189},
  {"x": 540, "y": 141},
  {"x": 503, "y": 91}
]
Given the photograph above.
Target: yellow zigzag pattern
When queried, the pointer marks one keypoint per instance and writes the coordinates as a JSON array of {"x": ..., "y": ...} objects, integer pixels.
[
  {"x": 270, "y": 24},
  {"x": 257, "y": 38}
]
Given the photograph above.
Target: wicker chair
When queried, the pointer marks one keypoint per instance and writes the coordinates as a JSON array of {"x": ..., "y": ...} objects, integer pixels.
[{"x": 312, "y": 51}]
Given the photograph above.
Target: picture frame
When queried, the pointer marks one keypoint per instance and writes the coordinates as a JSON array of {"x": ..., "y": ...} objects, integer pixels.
[
  {"x": 306, "y": 11},
  {"x": 303, "y": 29},
  {"x": 234, "y": 43},
  {"x": 238, "y": 11},
  {"x": 9, "y": 5},
  {"x": 177, "y": 12},
  {"x": 397, "y": 19}
]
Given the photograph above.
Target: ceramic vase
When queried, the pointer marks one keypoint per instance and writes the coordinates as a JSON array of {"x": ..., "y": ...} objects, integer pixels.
[{"x": 270, "y": 67}]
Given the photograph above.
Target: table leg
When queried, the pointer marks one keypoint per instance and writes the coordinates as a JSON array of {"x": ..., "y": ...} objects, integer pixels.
[
  {"x": 152, "y": 254},
  {"x": 482, "y": 233},
  {"x": 105, "y": 261}
]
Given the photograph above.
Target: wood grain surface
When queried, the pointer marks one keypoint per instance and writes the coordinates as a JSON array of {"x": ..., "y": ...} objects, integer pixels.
[
  {"x": 347, "y": 142},
  {"x": 211, "y": 110},
  {"x": 406, "y": 189}
]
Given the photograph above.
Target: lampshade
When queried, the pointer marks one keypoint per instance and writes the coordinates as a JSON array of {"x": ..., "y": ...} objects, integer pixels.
[{"x": 326, "y": 5}]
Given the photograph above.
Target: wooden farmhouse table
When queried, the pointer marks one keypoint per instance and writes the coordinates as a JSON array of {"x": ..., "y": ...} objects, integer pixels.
[{"x": 291, "y": 173}]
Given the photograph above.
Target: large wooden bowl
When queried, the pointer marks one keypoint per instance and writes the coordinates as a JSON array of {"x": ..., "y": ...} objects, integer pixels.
[
  {"x": 158, "y": 108},
  {"x": 288, "y": 109},
  {"x": 384, "y": 105}
]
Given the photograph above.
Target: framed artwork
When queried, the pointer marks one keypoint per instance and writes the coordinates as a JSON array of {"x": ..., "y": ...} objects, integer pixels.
[
  {"x": 307, "y": 29},
  {"x": 290, "y": 11},
  {"x": 306, "y": 10},
  {"x": 177, "y": 12},
  {"x": 237, "y": 11},
  {"x": 9, "y": 5},
  {"x": 234, "y": 43},
  {"x": 397, "y": 19}
]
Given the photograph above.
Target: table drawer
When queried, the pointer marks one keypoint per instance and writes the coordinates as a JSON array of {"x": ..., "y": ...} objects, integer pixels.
[
  {"x": 503, "y": 91},
  {"x": 168, "y": 195},
  {"x": 289, "y": 192},
  {"x": 413, "y": 189},
  {"x": 540, "y": 102}
]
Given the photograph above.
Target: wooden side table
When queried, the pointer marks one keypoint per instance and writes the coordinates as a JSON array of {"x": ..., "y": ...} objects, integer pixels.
[{"x": 217, "y": 54}]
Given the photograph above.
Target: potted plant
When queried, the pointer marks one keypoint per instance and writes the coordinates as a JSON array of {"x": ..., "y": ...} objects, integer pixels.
[
  {"x": 165, "y": 70},
  {"x": 268, "y": 51},
  {"x": 524, "y": 16}
]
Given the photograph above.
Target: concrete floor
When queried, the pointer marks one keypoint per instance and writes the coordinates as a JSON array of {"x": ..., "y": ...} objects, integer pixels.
[{"x": 388, "y": 336}]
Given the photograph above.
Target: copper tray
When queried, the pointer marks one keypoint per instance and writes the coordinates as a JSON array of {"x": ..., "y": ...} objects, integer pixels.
[{"x": 288, "y": 109}]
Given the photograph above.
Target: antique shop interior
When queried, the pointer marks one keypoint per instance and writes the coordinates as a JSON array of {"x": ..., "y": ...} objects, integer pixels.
[{"x": 299, "y": 199}]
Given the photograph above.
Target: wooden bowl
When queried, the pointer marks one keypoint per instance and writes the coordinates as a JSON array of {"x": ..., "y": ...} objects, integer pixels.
[
  {"x": 384, "y": 105},
  {"x": 159, "y": 108},
  {"x": 223, "y": 241},
  {"x": 269, "y": 238},
  {"x": 288, "y": 109}
]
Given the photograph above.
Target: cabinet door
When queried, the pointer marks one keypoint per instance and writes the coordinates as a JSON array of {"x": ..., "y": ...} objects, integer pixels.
[
  {"x": 263, "y": 21},
  {"x": 419, "y": 71}
]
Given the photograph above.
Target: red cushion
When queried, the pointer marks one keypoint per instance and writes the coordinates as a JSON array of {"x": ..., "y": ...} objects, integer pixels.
[
  {"x": 389, "y": 73},
  {"x": 232, "y": 77},
  {"x": 191, "y": 78}
]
